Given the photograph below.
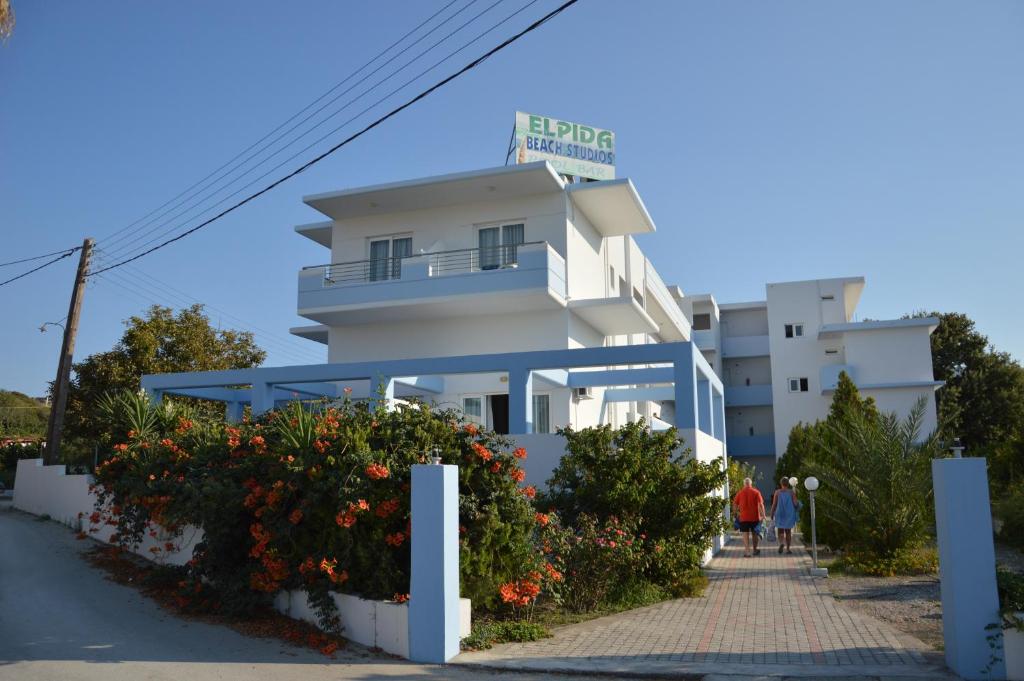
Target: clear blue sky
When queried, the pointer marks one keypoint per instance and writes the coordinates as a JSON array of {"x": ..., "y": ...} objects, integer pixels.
[{"x": 770, "y": 141}]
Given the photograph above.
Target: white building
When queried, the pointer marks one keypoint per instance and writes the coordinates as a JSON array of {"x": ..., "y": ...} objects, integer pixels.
[
  {"x": 521, "y": 298},
  {"x": 780, "y": 359},
  {"x": 506, "y": 259}
]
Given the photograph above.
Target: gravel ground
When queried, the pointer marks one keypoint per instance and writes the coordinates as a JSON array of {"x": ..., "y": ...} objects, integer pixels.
[{"x": 910, "y": 604}]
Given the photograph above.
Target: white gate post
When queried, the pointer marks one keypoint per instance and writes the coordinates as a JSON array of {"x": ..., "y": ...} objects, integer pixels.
[
  {"x": 967, "y": 567},
  {"x": 434, "y": 578}
]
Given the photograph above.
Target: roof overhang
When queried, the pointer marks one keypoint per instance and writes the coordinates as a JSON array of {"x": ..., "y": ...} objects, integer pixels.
[
  {"x": 490, "y": 184},
  {"x": 613, "y": 207},
  {"x": 751, "y": 305},
  {"x": 614, "y": 316},
  {"x": 316, "y": 332},
  {"x": 836, "y": 330},
  {"x": 319, "y": 232}
]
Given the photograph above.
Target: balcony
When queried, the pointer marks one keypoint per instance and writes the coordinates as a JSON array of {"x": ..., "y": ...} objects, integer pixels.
[
  {"x": 745, "y": 346},
  {"x": 748, "y": 395},
  {"x": 829, "y": 375},
  {"x": 662, "y": 307},
  {"x": 464, "y": 282},
  {"x": 705, "y": 339},
  {"x": 751, "y": 445}
]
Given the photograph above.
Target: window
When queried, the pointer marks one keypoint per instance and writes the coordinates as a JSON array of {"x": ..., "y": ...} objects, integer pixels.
[
  {"x": 831, "y": 351},
  {"x": 702, "y": 321},
  {"x": 828, "y": 296},
  {"x": 541, "y": 414},
  {"x": 794, "y": 330},
  {"x": 798, "y": 385},
  {"x": 498, "y": 245},
  {"x": 386, "y": 257},
  {"x": 611, "y": 276},
  {"x": 472, "y": 407}
]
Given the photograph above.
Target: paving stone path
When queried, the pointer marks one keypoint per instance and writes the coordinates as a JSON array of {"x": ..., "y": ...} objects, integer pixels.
[{"x": 763, "y": 615}]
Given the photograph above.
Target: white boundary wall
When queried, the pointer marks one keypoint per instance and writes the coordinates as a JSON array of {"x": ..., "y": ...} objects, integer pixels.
[{"x": 50, "y": 491}]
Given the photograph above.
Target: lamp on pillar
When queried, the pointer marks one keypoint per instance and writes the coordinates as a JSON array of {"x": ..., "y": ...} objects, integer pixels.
[
  {"x": 811, "y": 484},
  {"x": 957, "y": 448}
]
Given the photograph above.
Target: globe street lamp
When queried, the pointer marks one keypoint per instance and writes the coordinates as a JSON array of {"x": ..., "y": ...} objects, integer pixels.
[{"x": 811, "y": 484}]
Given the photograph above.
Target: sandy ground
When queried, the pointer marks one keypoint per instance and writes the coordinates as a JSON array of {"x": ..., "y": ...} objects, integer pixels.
[{"x": 910, "y": 604}]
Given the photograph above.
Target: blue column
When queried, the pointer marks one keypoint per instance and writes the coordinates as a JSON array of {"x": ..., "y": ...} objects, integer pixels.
[
  {"x": 967, "y": 565},
  {"x": 718, "y": 410},
  {"x": 234, "y": 411},
  {"x": 520, "y": 401},
  {"x": 704, "y": 418},
  {"x": 434, "y": 579},
  {"x": 262, "y": 398},
  {"x": 685, "y": 379}
]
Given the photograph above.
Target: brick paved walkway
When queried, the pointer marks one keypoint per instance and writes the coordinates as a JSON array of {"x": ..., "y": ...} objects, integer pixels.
[{"x": 763, "y": 615}]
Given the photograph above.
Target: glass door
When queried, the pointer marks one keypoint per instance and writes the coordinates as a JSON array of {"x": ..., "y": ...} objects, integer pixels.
[
  {"x": 379, "y": 253},
  {"x": 490, "y": 248}
]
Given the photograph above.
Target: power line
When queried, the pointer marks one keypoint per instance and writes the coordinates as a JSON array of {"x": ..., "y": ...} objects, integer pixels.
[
  {"x": 40, "y": 257},
  {"x": 124, "y": 248},
  {"x": 305, "y": 108},
  {"x": 425, "y": 93},
  {"x": 151, "y": 294},
  {"x": 46, "y": 264}
]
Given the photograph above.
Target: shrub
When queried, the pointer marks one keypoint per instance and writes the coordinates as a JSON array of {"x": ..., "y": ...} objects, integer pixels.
[
  {"x": 314, "y": 498},
  {"x": 1011, "y": 598},
  {"x": 1007, "y": 509},
  {"x": 917, "y": 561},
  {"x": 9, "y": 457},
  {"x": 647, "y": 482},
  {"x": 486, "y": 634},
  {"x": 738, "y": 471}
]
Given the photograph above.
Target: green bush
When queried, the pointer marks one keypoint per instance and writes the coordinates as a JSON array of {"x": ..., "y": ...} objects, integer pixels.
[
  {"x": 645, "y": 481},
  {"x": 9, "y": 457},
  {"x": 314, "y": 498},
  {"x": 1007, "y": 509},
  {"x": 1011, "y": 598},
  {"x": 594, "y": 563},
  {"x": 916, "y": 561},
  {"x": 488, "y": 633}
]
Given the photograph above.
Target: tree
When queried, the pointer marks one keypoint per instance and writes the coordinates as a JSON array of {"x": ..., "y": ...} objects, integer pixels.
[
  {"x": 6, "y": 19},
  {"x": 982, "y": 402},
  {"x": 159, "y": 342},
  {"x": 21, "y": 416},
  {"x": 807, "y": 440}
]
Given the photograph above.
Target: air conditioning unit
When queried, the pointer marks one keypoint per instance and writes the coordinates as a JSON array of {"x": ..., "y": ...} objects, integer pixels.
[{"x": 586, "y": 393}]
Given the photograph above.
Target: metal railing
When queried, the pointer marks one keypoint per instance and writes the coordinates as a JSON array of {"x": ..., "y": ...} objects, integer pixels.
[{"x": 440, "y": 264}]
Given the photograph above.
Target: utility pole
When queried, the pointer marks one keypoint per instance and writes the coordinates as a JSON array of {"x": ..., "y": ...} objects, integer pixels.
[{"x": 67, "y": 350}]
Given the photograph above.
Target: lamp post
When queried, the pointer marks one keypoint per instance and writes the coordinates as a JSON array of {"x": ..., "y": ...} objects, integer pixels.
[
  {"x": 957, "y": 448},
  {"x": 811, "y": 484}
]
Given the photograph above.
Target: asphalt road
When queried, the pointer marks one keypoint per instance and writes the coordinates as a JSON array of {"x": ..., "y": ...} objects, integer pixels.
[{"x": 61, "y": 619}]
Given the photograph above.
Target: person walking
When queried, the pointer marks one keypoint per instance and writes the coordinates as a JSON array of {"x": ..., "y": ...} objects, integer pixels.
[
  {"x": 749, "y": 507},
  {"x": 784, "y": 513}
]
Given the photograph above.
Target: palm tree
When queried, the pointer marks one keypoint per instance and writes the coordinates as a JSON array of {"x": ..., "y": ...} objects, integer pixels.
[{"x": 875, "y": 471}]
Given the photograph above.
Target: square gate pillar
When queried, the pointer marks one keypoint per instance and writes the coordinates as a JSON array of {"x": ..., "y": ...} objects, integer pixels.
[{"x": 434, "y": 578}]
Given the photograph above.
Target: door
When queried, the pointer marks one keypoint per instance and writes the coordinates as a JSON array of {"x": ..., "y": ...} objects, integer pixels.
[
  {"x": 499, "y": 413},
  {"x": 499, "y": 245},
  {"x": 386, "y": 258}
]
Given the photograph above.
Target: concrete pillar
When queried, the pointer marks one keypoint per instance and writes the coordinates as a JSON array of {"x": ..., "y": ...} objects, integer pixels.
[
  {"x": 967, "y": 566},
  {"x": 718, "y": 410},
  {"x": 520, "y": 401},
  {"x": 684, "y": 372},
  {"x": 234, "y": 411},
  {"x": 383, "y": 393},
  {"x": 262, "y": 398},
  {"x": 434, "y": 579},
  {"x": 705, "y": 420}
]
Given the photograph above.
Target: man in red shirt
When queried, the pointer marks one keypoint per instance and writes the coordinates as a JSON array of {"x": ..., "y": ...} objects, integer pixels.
[{"x": 748, "y": 504}]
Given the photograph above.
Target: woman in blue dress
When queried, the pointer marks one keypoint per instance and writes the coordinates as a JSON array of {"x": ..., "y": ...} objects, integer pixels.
[{"x": 784, "y": 513}]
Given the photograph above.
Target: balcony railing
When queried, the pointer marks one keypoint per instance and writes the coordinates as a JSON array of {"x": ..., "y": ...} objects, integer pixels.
[{"x": 439, "y": 264}]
